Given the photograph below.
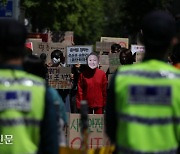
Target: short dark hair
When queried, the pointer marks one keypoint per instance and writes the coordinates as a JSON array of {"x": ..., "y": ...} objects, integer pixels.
[
  {"x": 12, "y": 39},
  {"x": 115, "y": 47},
  {"x": 129, "y": 57},
  {"x": 56, "y": 53},
  {"x": 34, "y": 65}
]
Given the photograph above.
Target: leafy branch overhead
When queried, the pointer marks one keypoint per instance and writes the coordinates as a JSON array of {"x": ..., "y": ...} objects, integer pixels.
[{"x": 90, "y": 19}]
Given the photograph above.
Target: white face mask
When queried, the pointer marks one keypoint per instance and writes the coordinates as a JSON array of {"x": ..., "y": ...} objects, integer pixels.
[
  {"x": 55, "y": 61},
  {"x": 93, "y": 61}
]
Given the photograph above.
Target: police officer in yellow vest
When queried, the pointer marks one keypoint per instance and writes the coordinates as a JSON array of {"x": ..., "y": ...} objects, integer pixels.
[
  {"x": 27, "y": 116},
  {"x": 143, "y": 108}
]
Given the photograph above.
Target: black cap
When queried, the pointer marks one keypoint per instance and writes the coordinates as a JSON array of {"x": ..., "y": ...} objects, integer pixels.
[{"x": 158, "y": 27}]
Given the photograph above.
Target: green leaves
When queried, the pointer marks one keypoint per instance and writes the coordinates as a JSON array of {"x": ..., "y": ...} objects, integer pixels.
[
  {"x": 84, "y": 17},
  {"x": 90, "y": 19}
]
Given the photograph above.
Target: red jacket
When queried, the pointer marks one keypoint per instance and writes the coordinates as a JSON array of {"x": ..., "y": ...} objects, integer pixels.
[{"x": 92, "y": 86}]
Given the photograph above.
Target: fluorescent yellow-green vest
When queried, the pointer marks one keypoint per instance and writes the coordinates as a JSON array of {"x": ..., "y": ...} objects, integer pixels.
[
  {"x": 148, "y": 108},
  {"x": 22, "y": 98}
]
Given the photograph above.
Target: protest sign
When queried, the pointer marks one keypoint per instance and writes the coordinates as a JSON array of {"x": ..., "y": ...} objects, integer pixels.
[
  {"x": 114, "y": 62},
  {"x": 34, "y": 40},
  {"x": 62, "y": 37},
  {"x": 78, "y": 54},
  {"x": 137, "y": 48},
  {"x": 124, "y": 42},
  {"x": 66, "y": 37},
  {"x": 104, "y": 62},
  {"x": 139, "y": 56},
  {"x": 96, "y": 131},
  {"x": 47, "y": 48},
  {"x": 59, "y": 77},
  {"x": 103, "y": 47}
]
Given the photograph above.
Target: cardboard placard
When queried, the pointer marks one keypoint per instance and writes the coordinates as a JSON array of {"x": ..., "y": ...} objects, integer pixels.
[
  {"x": 47, "y": 48},
  {"x": 104, "y": 68},
  {"x": 139, "y": 56},
  {"x": 103, "y": 47},
  {"x": 78, "y": 54},
  {"x": 104, "y": 59},
  {"x": 124, "y": 42},
  {"x": 97, "y": 136},
  {"x": 34, "y": 40},
  {"x": 104, "y": 62},
  {"x": 62, "y": 37},
  {"x": 137, "y": 48},
  {"x": 59, "y": 77},
  {"x": 114, "y": 62},
  {"x": 66, "y": 38}
]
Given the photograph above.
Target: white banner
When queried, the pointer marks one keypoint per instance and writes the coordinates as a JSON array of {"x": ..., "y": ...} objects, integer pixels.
[{"x": 78, "y": 54}]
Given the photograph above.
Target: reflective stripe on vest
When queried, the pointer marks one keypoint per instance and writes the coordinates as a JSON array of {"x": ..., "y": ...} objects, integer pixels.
[
  {"x": 19, "y": 121},
  {"x": 130, "y": 151},
  {"x": 21, "y": 81},
  {"x": 148, "y": 121},
  {"x": 147, "y": 99},
  {"x": 147, "y": 74}
]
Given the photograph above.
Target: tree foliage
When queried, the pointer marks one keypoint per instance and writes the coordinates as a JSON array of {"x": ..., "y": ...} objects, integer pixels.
[
  {"x": 84, "y": 17},
  {"x": 90, "y": 19}
]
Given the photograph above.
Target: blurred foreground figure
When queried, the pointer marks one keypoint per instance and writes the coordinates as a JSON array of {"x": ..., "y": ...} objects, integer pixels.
[
  {"x": 27, "y": 116},
  {"x": 143, "y": 107},
  {"x": 35, "y": 65},
  {"x": 175, "y": 56}
]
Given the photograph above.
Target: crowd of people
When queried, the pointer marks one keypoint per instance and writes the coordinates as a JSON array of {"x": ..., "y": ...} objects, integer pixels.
[{"x": 141, "y": 104}]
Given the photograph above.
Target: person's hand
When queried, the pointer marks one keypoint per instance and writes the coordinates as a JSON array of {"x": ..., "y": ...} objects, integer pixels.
[
  {"x": 49, "y": 64},
  {"x": 77, "y": 65},
  {"x": 71, "y": 76}
]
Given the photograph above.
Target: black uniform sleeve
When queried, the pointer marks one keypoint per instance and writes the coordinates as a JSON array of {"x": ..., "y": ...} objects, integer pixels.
[
  {"x": 48, "y": 132},
  {"x": 110, "y": 115}
]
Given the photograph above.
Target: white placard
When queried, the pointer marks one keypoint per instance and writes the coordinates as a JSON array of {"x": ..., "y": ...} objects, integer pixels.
[
  {"x": 137, "y": 48},
  {"x": 78, "y": 54}
]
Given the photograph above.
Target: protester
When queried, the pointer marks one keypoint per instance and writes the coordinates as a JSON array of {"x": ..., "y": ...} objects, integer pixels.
[
  {"x": 43, "y": 57},
  {"x": 126, "y": 57},
  {"x": 115, "y": 48},
  {"x": 92, "y": 86},
  {"x": 57, "y": 59},
  {"x": 27, "y": 116},
  {"x": 36, "y": 66},
  {"x": 142, "y": 112},
  {"x": 76, "y": 70}
]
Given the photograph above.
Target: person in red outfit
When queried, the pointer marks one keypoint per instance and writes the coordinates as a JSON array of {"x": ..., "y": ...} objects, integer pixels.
[{"x": 92, "y": 86}]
